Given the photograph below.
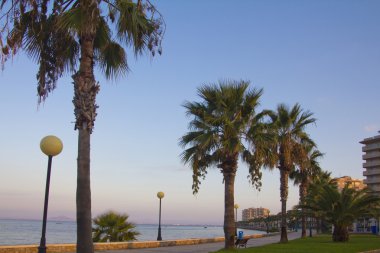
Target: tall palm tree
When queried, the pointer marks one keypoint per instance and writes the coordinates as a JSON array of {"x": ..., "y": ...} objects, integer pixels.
[
  {"x": 342, "y": 208},
  {"x": 80, "y": 30},
  {"x": 113, "y": 227},
  {"x": 307, "y": 168},
  {"x": 218, "y": 130},
  {"x": 288, "y": 126}
]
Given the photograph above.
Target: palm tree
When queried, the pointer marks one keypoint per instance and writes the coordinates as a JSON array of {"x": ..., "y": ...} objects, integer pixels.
[
  {"x": 113, "y": 227},
  {"x": 319, "y": 180},
  {"x": 342, "y": 208},
  {"x": 217, "y": 133},
  {"x": 288, "y": 127},
  {"x": 80, "y": 30},
  {"x": 307, "y": 168}
]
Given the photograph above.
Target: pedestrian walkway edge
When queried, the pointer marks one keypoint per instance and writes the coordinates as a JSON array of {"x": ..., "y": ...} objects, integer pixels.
[{"x": 60, "y": 248}]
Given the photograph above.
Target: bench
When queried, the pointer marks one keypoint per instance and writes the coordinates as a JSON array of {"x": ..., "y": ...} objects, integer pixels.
[{"x": 241, "y": 243}]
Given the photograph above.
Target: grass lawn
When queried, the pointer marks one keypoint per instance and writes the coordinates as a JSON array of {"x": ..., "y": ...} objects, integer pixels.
[{"x": 317, "y": 244}]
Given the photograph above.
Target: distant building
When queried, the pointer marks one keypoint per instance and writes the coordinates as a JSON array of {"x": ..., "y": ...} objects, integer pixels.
[
  {"x": 372, "y": 162},
  {"x": 251, "y": 213},
  {"x": 352, "y": 183}
]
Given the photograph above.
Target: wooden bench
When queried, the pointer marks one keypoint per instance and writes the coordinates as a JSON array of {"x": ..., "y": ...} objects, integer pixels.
[{"x": 241, "y": 243}]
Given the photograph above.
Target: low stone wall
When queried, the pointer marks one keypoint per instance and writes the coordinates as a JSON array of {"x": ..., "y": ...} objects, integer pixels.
[{"x": 65, "y": 248}]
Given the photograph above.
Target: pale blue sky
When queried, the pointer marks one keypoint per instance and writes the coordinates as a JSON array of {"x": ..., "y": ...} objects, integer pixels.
[{"x": 323, "y": 54}]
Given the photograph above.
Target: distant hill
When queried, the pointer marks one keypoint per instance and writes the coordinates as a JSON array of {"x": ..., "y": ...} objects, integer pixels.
[{"x": 61, "y": 218}]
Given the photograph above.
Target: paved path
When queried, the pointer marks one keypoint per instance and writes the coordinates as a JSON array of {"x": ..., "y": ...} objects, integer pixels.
[{"x": 205, "y": 247}]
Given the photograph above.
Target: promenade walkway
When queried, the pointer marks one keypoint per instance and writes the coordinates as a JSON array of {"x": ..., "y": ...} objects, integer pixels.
[{"x": 205, "y": 247}]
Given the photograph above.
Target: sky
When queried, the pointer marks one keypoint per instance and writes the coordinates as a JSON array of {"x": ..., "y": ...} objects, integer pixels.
[{"x": 322, "y": 54}]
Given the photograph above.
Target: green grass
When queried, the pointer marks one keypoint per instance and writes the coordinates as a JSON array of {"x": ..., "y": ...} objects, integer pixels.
[{"x": 317, "y": 244}]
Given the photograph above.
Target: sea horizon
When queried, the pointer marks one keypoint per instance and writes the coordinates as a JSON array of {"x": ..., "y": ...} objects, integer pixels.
[
  {"x": 27, "y": 231},
  {"x": 64, "y": 218}
]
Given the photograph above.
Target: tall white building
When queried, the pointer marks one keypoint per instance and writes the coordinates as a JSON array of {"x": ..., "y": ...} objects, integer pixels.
[{"x": 372, "y": 162}]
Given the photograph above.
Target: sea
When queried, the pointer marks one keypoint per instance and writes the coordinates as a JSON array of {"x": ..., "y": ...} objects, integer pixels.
[{"x": 22, "y": 232}]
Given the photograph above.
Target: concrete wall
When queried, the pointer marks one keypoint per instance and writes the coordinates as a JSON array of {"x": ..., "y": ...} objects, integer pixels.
[{"x": 64, "y": 248}]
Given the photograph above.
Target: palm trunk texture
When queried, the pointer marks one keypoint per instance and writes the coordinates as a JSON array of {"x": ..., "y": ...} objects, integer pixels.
[
  {"x": 284, "y": 176},
  {"x": 229, "y": 222},
  {"x": 302, "y": 193},
  {"x": 340, "y": 234},
  {"x": 303, "y": 221},
  {"x": 84, "y": 221}
]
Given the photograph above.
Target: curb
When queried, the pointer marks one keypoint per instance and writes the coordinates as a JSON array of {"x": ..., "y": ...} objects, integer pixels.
[{"x": 65, "y": 248}]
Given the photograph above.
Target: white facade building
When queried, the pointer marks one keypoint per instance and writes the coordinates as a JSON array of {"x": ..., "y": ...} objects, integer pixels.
[{"x": 372, "y": 162}]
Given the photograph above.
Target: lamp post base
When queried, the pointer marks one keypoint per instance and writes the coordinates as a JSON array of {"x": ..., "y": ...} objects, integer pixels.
[
  {"x": 42, "y": 249},
  {"x": 159, "y": 238}
]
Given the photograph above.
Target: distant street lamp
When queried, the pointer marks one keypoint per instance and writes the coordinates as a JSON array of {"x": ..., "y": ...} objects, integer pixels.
[
  {"x": 236, "y": 206},
  {"x": 160, "y": 195},
  {"x": 50, "y": 146}
]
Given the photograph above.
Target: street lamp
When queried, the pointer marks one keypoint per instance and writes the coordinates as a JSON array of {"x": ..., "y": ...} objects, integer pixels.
[
  {"x": 50, "y": 146},
  {"x": 160, "y": 195},
  {"x": 236, "y": 206}
]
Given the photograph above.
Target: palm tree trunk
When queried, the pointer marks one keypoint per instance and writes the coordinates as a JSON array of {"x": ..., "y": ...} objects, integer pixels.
[
  {"x": 303, "y": 221},
  {"x": 340, "y": 233},
  {"x": 84, "y": 221},
  {"x": 229, "y": 223},
  {"x": 85, "y": 90},
  {"x": 284, "y": 176},
  {"x": 302, "y": 193},
  {"x": 319, "y": 224}
]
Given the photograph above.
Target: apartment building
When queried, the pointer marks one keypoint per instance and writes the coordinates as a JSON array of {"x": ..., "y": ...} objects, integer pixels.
[
  {"x": 251, "y": 213},
  {"x": 357, "y": 184},
  {"x": 371, "y": 166}
]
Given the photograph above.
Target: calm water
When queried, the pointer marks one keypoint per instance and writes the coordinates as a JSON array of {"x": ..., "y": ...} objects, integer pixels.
[{"x": 14, "y": 232}]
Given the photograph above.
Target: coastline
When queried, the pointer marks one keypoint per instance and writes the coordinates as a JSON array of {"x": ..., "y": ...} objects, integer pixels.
[{"x": 15, "y": 232}]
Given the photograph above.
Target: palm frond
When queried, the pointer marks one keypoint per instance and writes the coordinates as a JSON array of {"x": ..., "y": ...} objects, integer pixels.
[
  {"x": 113, "y": 60},
  {"x": 72, "y": 20}
]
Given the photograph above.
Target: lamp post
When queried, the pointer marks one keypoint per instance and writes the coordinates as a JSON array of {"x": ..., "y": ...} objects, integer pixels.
[
  {"x": 160, "y": 195},
  {"x": 236, "y": 206},
  {"x": 50, "y": 146}
]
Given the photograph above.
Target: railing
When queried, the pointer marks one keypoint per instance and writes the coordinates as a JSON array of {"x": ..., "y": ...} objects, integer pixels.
[
  {"x": 371, "y": 181},
  {"x": 370, "y": 147},
  {"x": 371, "y": 172},
  {"x": 370, "y": 155},
  {"x": 371, "y": 164}
]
